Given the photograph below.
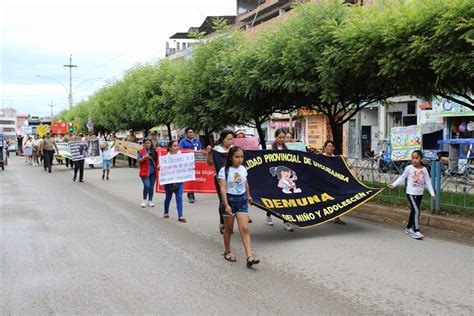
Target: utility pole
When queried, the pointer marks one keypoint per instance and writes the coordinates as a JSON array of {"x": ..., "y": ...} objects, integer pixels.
[
  {"x": 51, "y": 105},
  {"x": 70, "y": 66}
]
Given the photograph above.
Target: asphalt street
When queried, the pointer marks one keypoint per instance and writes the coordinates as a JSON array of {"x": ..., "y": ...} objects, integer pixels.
[{"x": 88, "y": 248}]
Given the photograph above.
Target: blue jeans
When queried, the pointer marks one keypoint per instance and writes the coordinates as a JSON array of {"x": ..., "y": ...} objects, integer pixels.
[
  {"x": 179, "y": 199},
  {"x": 149, "y": 186}
]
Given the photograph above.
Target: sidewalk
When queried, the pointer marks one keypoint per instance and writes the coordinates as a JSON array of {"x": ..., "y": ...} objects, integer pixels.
[{"x": 386, "y": 214}]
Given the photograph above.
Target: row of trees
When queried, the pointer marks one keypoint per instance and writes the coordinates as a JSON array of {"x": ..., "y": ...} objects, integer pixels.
[{"x": 329, "y": 56}]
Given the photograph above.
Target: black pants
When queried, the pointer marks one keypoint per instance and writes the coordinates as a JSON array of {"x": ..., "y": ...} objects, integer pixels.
[
  {"x": 414, "y": 219},
  {"x": 69, "y": 162},
  {"x": 48, "y": 159},
  {"x": 79, "y": 165},
  {"x": 113, "y": 161},
  {"x": 131, "y": 161},
  {"x": 218, "y": 190}
]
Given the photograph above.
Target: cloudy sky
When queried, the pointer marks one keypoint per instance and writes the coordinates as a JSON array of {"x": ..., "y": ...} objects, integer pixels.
[{"x": 104, "y": 37}]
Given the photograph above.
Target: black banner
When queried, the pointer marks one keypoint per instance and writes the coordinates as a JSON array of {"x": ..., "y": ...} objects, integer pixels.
[{"x": 303, "y": 188}]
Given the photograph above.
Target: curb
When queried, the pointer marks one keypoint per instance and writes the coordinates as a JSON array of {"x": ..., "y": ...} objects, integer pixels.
[{"x": 383, "y": 214}]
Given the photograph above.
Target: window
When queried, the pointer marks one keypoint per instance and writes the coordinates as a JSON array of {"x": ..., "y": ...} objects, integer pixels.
[
  {"x": 178, "y": 46},
  {"x": 411, "y": 107},
  {"x": 184, "y": 45},
  {"x": 409, "y": 120}
]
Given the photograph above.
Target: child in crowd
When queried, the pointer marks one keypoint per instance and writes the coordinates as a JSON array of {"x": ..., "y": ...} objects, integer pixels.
[
  {"x": 105, "y": 160},
  {"x": 417, "y": 177},
  {"x": 235, "y": 194},
  {"x": 176, "y": 188}
]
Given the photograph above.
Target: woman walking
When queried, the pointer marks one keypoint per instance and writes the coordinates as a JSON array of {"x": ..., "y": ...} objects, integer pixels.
[
  {"x": 28, "y": 150},
  {"x": 279, "y": 144},
  {"x": 106, "y": 160},
  {"x": 176, "y": 188},
  {"x": 328, "y": 150},
  {"x": 147, "y": 159},
  {"x": 235, "y": 193},
  {"x": 224, "y": 144}
]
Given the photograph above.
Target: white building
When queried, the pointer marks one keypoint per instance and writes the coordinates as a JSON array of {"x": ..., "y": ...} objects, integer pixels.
[{"x": 8, "y": 123}]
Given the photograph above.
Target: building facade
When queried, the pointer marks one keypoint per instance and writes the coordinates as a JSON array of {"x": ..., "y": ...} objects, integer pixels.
[{"x": 8, "y": 123}]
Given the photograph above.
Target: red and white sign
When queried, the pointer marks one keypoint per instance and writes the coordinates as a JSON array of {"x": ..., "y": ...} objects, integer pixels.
[{"x": 282, "y": 123}]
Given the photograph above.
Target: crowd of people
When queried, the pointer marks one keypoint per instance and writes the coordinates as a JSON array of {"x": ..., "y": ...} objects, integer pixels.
[{"x": 234, "y": 196}]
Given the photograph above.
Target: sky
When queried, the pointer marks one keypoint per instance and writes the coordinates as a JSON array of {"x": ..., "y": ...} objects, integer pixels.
[{"x": 104, "y": 37}]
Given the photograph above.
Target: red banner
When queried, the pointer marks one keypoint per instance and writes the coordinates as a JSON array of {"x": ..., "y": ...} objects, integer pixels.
[{"x": 204, "y": 182}]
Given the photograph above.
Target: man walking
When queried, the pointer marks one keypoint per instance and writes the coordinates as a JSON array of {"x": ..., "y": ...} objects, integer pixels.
[
  {"x": 48, "y": 147},
  {"x": 78, "y": 151},
  {"x": 189, "y": 142},
  {"x": 132, "y": 138}
]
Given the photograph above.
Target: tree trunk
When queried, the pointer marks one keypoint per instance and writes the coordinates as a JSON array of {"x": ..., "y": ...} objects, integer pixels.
[
  {"x": 336, "y": 131},
  {"x": 261, "y": 136},
  {"x": 168, "y": 127}
]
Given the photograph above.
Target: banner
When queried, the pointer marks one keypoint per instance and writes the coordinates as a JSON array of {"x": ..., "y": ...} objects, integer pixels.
[
  {"x": 296, "y": 146},
  {"x": 64, "y": 149},
  {"x": 303, "y": 188},
  {"x": 444, "y": 108},
  {"x": 204, "y": 174},
  {"x": 127, "y": 148},
  {"x": 247, "y": 143},
  {"x": 78, "y": 150},
  {"x": 41, "y": 130},
  {"x": 404, "y": 140},
  {"x": 177, "y": 168}
]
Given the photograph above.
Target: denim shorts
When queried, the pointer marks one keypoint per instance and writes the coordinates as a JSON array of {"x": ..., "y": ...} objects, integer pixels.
[
  {"x": 238, "y": 204},
  {"x": 105, "y": 164}
]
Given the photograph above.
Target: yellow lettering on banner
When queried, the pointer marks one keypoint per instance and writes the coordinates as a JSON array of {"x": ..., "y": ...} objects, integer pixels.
[
  {"x": 253, "y": 162},
  {"x": 275, "y": 157},
  {"x": 339, "y": 206},
  {"x": 267, "y": 202},
  {"x": 307, "y": 160},
  {"x": 310, "y": 200}
]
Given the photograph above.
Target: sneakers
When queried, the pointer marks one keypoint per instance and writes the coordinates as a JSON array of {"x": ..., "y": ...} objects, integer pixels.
[
  {"x": 269, "y": 221},
  {"x": 143, "y": 204},
  {"x": 417, "y": 235},
  {"x": 107, "y": 178},
  {"x": 287, "y": 226},
  {"x": 103, "y": 176},
  {"x": 150, "y": 204},
  {"x": 409, "y": 231}
]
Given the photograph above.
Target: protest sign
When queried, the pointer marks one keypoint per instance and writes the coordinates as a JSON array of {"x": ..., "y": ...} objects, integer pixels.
[
  {"x": 64, "y": 149},
  {"x": 78, "y": 150},
  {"x": 302, "y": 188},
  {"x": 404, "y": 140},
  {"x": 204, "y": 174},
  {"x": 296, "y": 146},
  {"x": 177, "y": 168},
  {"x": 127, "y": 148},
  {"x": 247, "y": 143},
  {"x": 41, "y": 130}
]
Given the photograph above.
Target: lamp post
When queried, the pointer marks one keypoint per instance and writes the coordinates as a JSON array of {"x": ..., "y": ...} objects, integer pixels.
[
  {"x": 70, "y": 66},
  {"x": 70, "y": 90}
]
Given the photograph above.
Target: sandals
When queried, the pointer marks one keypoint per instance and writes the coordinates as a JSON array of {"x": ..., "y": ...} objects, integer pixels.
[
  {"x": 229, "y": 258},
  {"x": 250, "y": 263},
  {"x": 339, "y": 221},
  {"x": 166, "y": 216},
  {"x": 182, "y": 220}
]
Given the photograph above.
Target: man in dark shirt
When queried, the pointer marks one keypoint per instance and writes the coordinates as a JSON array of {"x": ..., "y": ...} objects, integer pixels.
[{"x": 189, "y": 142}]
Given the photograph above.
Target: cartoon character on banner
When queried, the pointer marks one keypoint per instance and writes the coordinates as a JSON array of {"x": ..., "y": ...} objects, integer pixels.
[{"x": 286, "y": 179}]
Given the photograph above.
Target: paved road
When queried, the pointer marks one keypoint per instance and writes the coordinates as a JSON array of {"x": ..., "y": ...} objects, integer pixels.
[{"x": 89, "y": 248}]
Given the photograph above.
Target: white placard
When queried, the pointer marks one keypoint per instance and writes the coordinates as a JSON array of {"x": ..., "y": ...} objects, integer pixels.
[{"x": 177, "y": 168}]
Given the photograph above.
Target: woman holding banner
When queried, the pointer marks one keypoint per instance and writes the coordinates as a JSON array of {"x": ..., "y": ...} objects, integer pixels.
[
  {"x": 279, "y": 144},
  {"x": 176, "y": 188},
  {"x": 223, "y": 145},
  {"x": 328, "y": 151},
  {"x": 147, "y": 159}
]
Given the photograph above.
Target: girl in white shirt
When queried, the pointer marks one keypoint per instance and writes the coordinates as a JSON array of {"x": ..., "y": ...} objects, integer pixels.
[
  {"x": 235, "y": 194},
  {"x": 417, "y": 177}
]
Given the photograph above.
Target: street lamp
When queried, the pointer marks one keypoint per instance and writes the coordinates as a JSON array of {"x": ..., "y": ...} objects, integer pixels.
[{"x": 71, "y": 90}]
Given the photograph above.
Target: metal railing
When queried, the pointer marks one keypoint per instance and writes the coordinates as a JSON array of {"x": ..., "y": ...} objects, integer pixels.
[{"x": 454, "y": 189}]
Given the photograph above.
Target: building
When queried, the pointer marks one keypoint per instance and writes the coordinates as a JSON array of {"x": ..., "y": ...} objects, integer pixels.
[
  {"x": 179, "y": 44},
  {"x": 8, "y": 123}
]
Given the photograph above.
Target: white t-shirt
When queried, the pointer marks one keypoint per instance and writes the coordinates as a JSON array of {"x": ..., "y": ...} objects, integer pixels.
[
  {"x": 236, "y": 180},
  {"x": 417, "y": 178},
  {"x": 106, "y": 154}
]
